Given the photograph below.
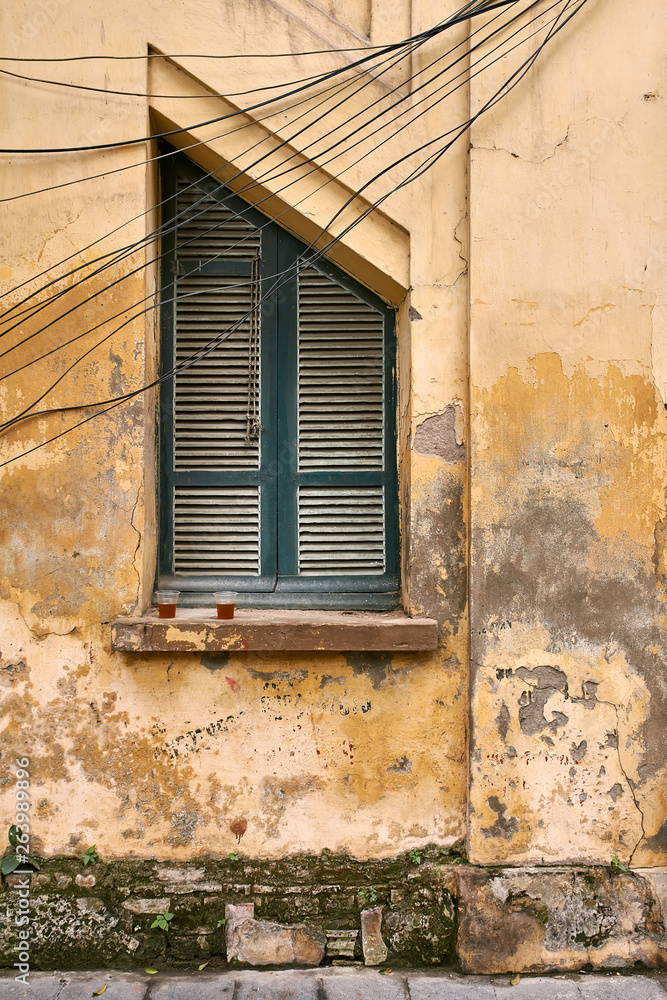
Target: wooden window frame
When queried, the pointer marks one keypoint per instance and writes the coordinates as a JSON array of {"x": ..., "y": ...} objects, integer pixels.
[{"x": 279, "y": 585}]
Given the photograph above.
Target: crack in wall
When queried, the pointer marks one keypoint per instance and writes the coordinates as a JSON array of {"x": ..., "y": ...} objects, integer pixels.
[
  {"x": 38, "y": 633},
  {"x": 629, "y": 782},
  {"x": 561, "y": 142},
  {"x": 443, "y": 284},
  {"x": 464, "y": 218},
  {"x": 136, "y": 551},
  {"x": 63, "y": 984}
]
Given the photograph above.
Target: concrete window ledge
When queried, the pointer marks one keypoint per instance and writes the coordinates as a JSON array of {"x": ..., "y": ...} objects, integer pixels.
[{"x": 197, "y": 629}]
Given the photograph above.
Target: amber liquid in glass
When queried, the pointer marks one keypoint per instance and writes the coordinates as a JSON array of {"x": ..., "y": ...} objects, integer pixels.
[
  {"x": 166, "y": 610},
  {"x": 225, "y": 610}
]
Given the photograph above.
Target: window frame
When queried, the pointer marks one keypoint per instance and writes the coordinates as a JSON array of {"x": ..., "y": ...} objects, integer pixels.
[{"x": 277, "y": 476}]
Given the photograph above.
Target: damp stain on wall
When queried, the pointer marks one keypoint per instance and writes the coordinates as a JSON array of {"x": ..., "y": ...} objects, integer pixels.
[{"x": 569, "y": 704}]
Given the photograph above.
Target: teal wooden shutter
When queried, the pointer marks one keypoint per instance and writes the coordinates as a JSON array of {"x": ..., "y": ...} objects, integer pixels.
[
  {"x": 216, "y": 528},
  {"x": 219, "y": 503},
  {"x": 341, "y": 406},
  {"x": 305, "y": 513},
  {"x": 337, "y": 530}
]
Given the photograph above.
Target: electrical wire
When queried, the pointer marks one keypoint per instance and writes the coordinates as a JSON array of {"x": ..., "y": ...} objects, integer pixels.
[
  {"x": 135, "y": 218},
  {"x": 365, "y": 138},
  {"x": 159, "y": 231},
  {"x": 237, "y": 93},
  {"x": 282, "y": 172},
  {"x": 506, "y": 88},
  {"x": 130, "y": 247},
  {"x": 388, "y": 123},
  {"x": 109, "y": 319},
  {"x": 423, "y": 35},
  {"x": 190, "y": 55},
  {"x": 151, "y": 95}
]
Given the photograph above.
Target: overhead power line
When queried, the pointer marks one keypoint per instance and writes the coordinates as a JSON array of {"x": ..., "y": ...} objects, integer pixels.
[
  {"x": 569, "y": 9},
  {"x": 408, "y": 48},
  {"x": 364, "y": 138},
  {"x": 160, "y": 231},
  {"x": 471, "y": 9},
  {"x": 164, "y": 231}
]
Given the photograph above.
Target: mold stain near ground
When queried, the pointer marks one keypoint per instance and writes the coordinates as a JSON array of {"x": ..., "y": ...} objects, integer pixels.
[{"x": 106, "y": 915}]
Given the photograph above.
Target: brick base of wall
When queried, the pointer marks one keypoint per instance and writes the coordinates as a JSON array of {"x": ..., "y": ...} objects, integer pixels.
[{"x": 413, "y": 911}]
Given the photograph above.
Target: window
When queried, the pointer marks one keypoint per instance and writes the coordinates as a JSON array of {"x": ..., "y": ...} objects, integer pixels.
[{"x": 277, "y": 448}]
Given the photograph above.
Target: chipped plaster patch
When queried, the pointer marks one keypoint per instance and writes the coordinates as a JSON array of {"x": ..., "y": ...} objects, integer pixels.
[{"x": 441, "y": 436}]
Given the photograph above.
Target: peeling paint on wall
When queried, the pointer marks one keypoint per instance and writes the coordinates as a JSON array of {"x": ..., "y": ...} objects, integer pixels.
[{"x": 569, "y": 704}]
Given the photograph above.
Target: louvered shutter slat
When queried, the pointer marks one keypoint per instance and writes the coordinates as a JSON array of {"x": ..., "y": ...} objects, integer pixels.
[
  {"x": 216, "y": 529},
  {"x": 341, "y": 529},
  {"x": 208, "y": 228},
  {"x": 317, "y": 498},
  {"x": 340, "y": 362}
]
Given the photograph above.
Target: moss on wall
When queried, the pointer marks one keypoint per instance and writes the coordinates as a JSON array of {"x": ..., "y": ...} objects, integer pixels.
[{"x": 101, "y": 916}]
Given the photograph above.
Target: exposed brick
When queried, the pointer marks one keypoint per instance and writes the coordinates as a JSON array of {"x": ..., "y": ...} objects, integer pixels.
[{"x": 375, "y": 950}]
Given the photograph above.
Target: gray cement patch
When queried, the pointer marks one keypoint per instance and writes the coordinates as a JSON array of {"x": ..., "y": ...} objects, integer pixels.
[
  {"x": 363, "y": 985},
  {"x": 75, "y": 986},
  {"x": 537, "y": 988},
  {"x": 192, "y": 987}
]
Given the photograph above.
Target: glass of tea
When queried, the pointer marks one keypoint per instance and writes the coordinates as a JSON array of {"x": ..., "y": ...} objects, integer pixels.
[
  {"x": 166, "y": 603},
  {"x": 224, "y": 603}
]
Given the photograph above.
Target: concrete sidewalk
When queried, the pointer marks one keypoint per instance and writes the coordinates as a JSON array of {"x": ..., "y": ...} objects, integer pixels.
[{"x": 333, "y": 984}]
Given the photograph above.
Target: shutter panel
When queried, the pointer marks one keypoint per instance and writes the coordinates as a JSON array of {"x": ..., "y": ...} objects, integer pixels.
[
  {"x": 341, "y": 407},
  {"x": 341, "y": 400},
  {"x": 211, "y": 397},
  {"x": 341, "y": 530},
  {"x": 208, "y": 228},
  {"x": 216, "y": 528},
  {"x": 291, "y": 498}
]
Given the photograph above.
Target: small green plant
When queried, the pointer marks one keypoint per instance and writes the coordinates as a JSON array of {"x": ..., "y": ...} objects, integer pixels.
[
  {"x": 617, "y": 866},
  {"x": 13, "y": 857},
  {"x": 457, "y": 853},
  {"x": 90, "y": 857},
  {"x": 233, "y": 856},
  {"x": 162, "y": 921},
  {"x": 415, "y": 856},
  {"x": 221, "y": 922},
  {"x": 367, "y": 895}
]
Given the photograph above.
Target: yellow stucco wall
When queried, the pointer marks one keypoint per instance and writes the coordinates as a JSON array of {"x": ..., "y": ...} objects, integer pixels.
[
  {"x": 528, "y": 274},
  {"x": 162, "y": 755},
  {"x": 568, "y": 439}
]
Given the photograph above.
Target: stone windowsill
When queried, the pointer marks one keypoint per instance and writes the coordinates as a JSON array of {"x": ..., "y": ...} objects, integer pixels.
[{"x": 197, "y": 629}]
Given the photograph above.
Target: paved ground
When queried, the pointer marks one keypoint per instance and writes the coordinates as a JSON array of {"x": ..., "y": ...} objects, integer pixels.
[{"x": 332, "y": 984}]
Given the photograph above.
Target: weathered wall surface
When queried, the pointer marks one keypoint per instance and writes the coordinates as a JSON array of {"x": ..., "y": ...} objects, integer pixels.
[
  {"x": 105, "y": 915},
  {"x": 569, "y": 455},
  {"x": 171, "y": 758},
  {"x": 556, "y": 213},
  {"x": 174, "y": 756},
  {"x": 529, "y": 277}
]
